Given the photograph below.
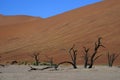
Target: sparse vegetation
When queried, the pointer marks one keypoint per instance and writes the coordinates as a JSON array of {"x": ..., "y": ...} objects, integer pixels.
[
  {"x": 50, "y": 61},
  {"x": 86, "y": 57},
  {"x": 89, "y": 60},
  {"x": 23, "y": 63},
  {"x": 73, "y": 55},
  {"x": 111, "y": 58},
  {"x": 49, "y": 64},
  {"x": 14, "y": 62},
  {"x": 36, "y": 58}
]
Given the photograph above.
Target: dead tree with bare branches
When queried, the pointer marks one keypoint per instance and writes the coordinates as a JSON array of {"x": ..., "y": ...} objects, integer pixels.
[
  {"x": 73, "y": 56},
  {"x": 50, "y": 60},
  {"x": 111, "y": 58},
  {"x": 91, "y": 59},
  {"x": 50, "y": 66},
  {"x": 36, "y": 58},
  {"x": 86, "y": 56}
]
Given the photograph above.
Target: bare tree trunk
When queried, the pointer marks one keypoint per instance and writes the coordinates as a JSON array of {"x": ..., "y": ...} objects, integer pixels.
[
  {"x": 111, "y": 58},
  {"x": 91, "y": 64},
  {"x": 36, "y": 58},
  {"x": 74, "y": 66},
  {"x": 73, "y": 56},
  {"x": 93, "y": 57},
  {"x": 92, "y": 60},
  {"x": 32, "y": 68},
  {"x": 86, "y": 57}
]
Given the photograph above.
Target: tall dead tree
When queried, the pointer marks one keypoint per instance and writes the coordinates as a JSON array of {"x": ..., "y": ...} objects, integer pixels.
[
  {"x": 91, "y": 59},
  {"x": 36, "y": 58},
  {"x": 73, "y": 56},
  {"x": 86, "y": 56},
  {"x": 111, "y": 58}
]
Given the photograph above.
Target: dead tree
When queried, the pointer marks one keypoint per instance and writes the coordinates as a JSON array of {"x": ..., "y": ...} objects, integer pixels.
[
  {"x": 34, "y": 69},
  {"x": 111, "y": 58},
  {"x": 86, "y": 57},
  {"x": 94, "y": 56},
  {"x": 50, "y": 60},
  {"x": 73, "y": 56},
  {"x": 36, "y": 58},
  {"x": 47, "y": 67}
]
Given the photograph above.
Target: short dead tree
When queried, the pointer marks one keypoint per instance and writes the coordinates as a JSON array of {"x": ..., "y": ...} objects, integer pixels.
[
  {"x": 1, "y": 65},
  {"x": 36, "y": 58},
  {"x": 50, "y": 61},
  {"x": 51, "y": 65},
  {"x": 46, "y": 67},
  {"x": 73, "y": 56},
  {"x": 111, "y": 58},
  {"x": 89, "y": 60},
  {"x": 14, "y": 62}
]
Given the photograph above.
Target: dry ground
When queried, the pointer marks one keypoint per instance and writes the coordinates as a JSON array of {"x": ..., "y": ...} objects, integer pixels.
[{"x": 20, "y": 72}]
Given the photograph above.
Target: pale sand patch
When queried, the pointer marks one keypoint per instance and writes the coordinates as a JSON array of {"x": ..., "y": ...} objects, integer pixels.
[{"x": 20, "y": 72}]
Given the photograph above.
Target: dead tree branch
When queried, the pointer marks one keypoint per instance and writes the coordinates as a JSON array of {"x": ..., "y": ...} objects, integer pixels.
[
  {"x": 64, "y": 63},
  {"x": 34, "y": 69},
  {"x": 86, "y": 57},
  {"x": 91, "y": 59},
  {"x": 73, "y": 56},
  {"x": 98, "y": 44},
  {"x": 111, "y": 58},
  {"x": 36, "y": 58}
]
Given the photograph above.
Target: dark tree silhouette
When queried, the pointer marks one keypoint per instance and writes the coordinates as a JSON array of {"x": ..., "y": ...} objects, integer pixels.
[
  {"x": 36, "y": 58},
  {"x": 91, "y": 59},
  {"x": 94, "y": 57},
  {"x": 73, "y": 56},
  {"x": 86, "y": 57},
  {"x": 111, "y": 58}
]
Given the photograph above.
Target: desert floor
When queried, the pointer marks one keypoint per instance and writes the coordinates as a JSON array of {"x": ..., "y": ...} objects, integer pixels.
[{"x": 20, "y": 72}]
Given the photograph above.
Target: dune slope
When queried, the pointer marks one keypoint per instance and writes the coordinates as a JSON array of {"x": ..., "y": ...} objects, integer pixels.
[{"x": 22, "y": 36}]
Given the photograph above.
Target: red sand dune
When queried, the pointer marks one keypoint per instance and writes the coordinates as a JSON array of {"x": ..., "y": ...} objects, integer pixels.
[{"x": 20, "y": 36}]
